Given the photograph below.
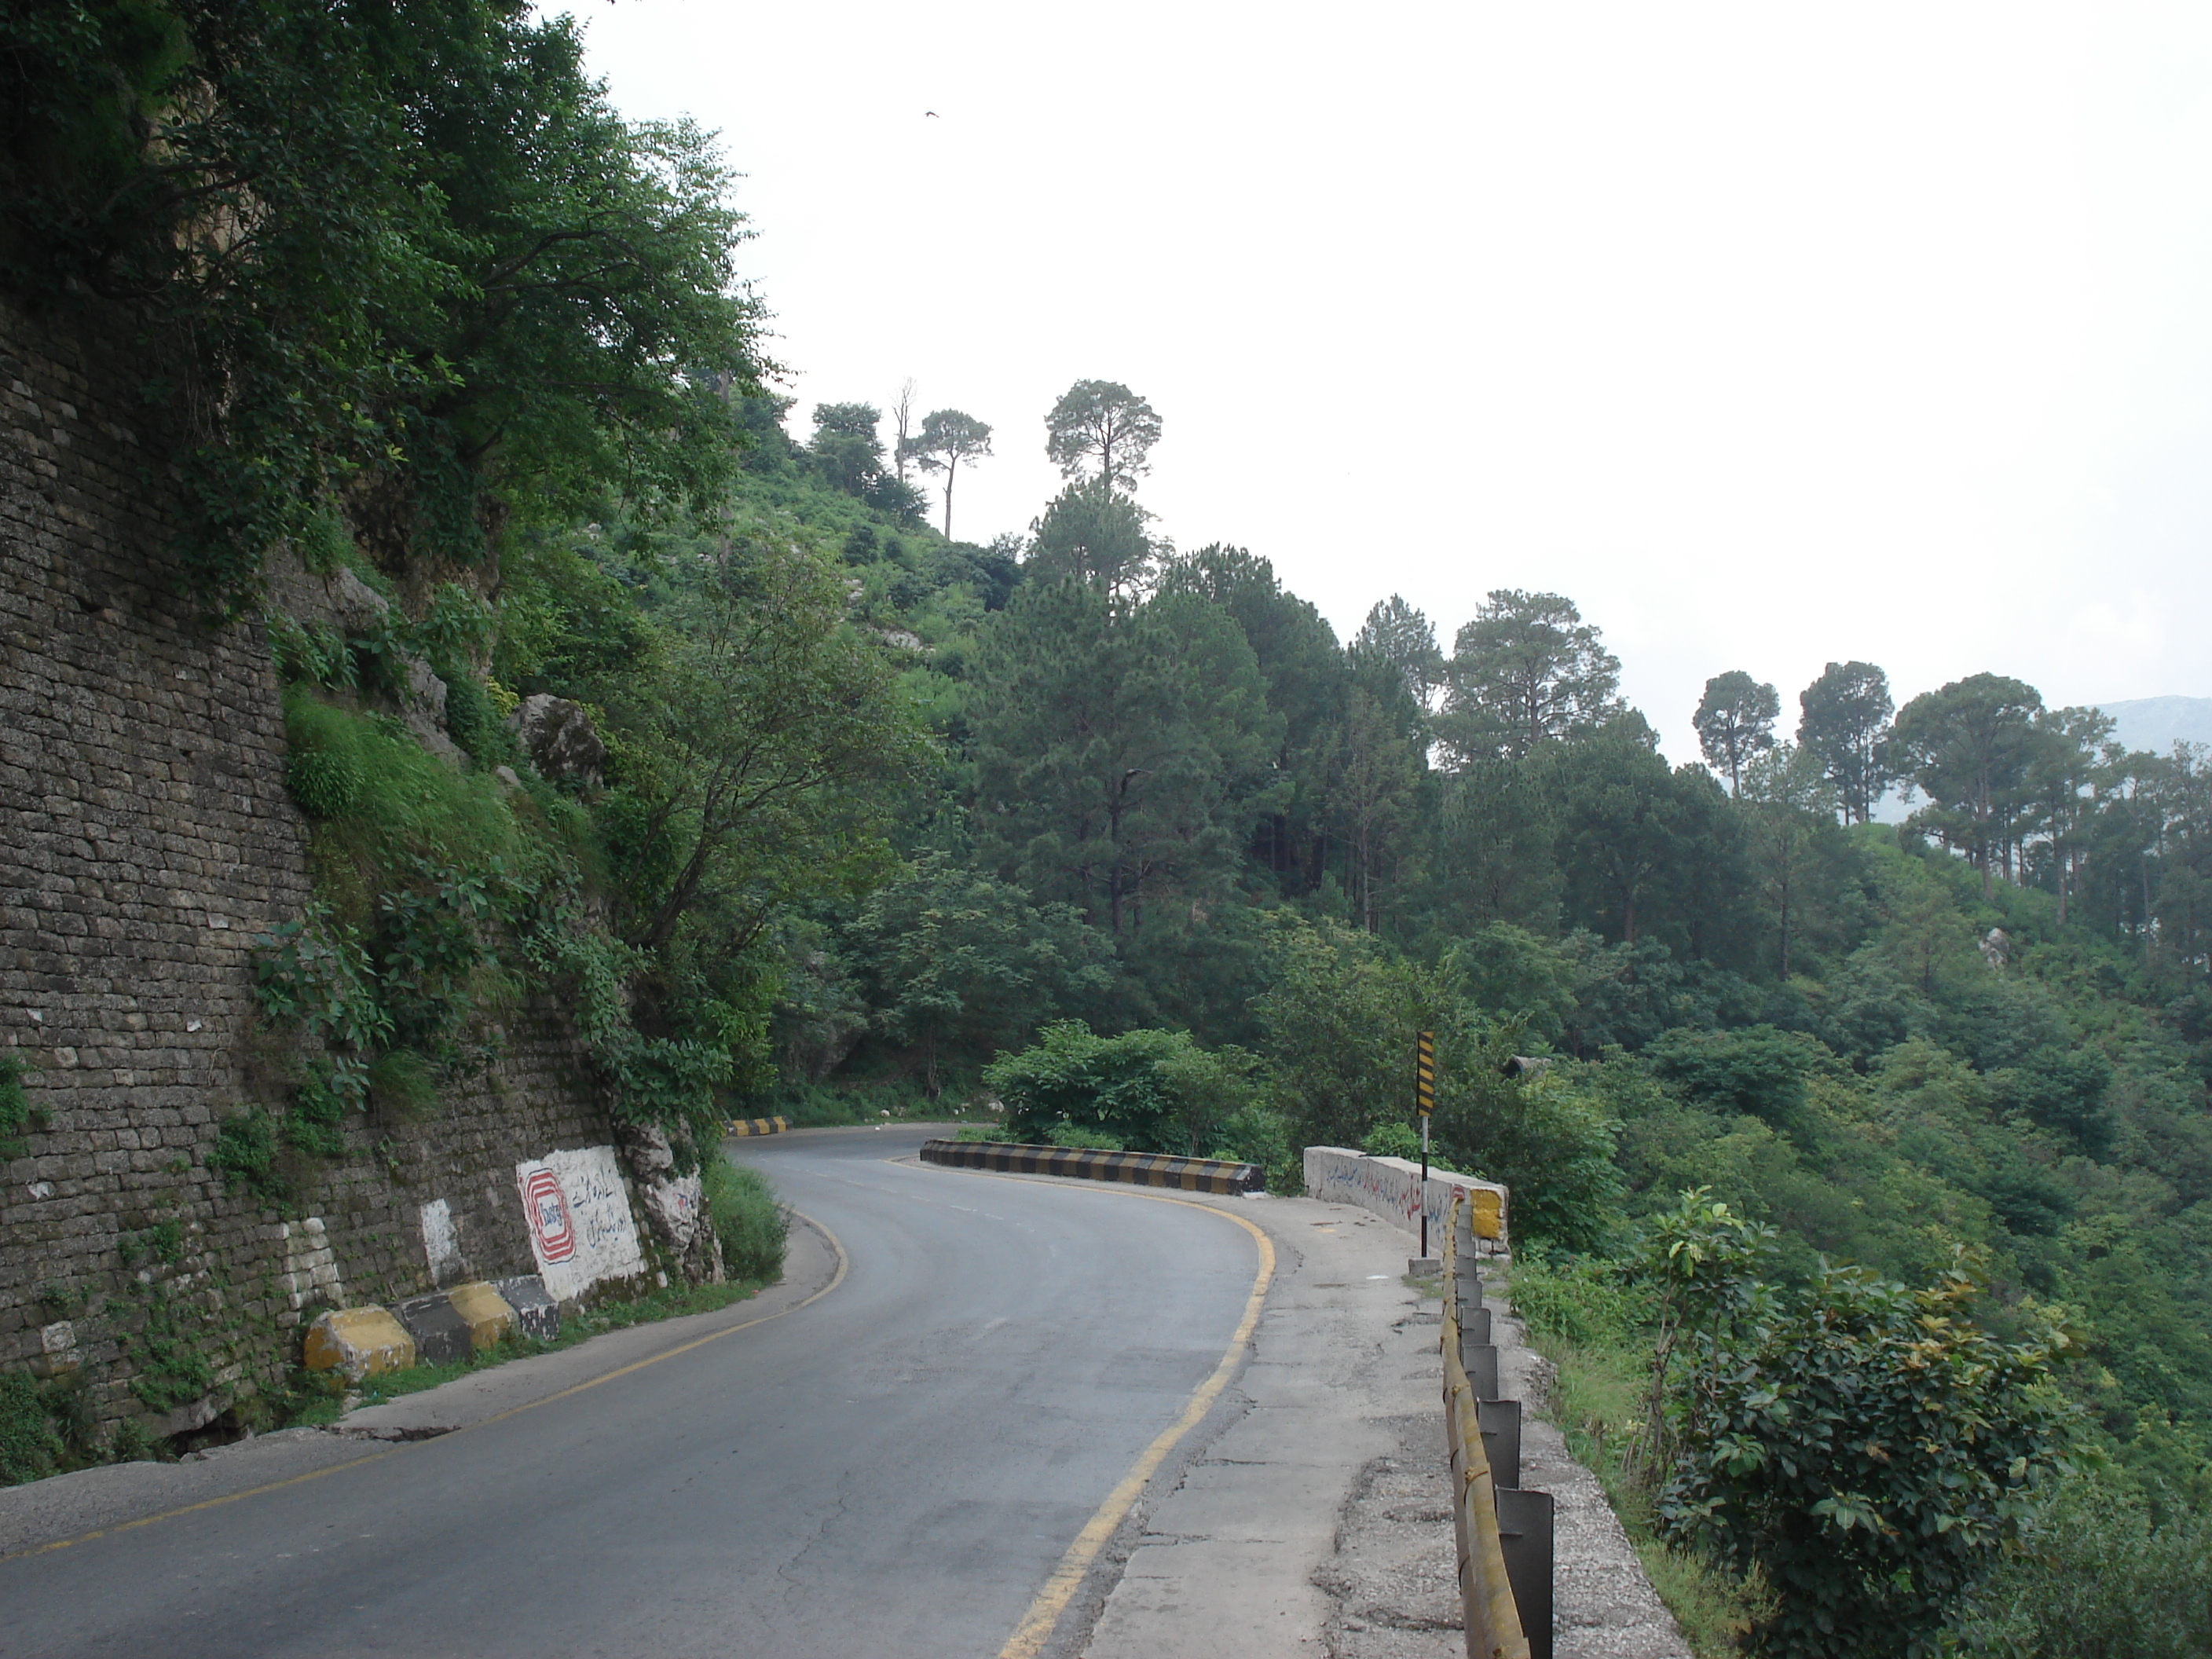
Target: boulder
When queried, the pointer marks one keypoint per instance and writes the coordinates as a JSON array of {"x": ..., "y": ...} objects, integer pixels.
[
  {"x": 358, "y": 1342},
  {"x": 674, "y": 1204},
  {"x": 558, "y": 737}
]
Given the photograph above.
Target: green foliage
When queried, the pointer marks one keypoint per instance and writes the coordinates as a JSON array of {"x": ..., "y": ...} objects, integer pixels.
[
  {"x": 16, "y": 1110},
  {"x": 1870, "y": 1449},
  {"x": 1528, "y": 671},
  {"x": 323, "y": 768},
  {"x": 1394, "y": 1140},
  {"x": 464, "y": 271},
  {"x": 1339, "y": 1025},
  {"x": 2100, "y": 1572},
  {"x": 1756, "y": 1070},
  {"x": 29, "y": 1447},
  {"x": 1735, "y": 722},
  {"x": 753, "y": 1226},
  {"x": 244, "y": 1156},
  {"x": 1082, "y": 1139},
  {"x": 1586, "y": 1300},
  {"x": 1101, "y": 429},
  {"x": 171, "y": 1367},
  {"x": 947, "y": 956},
  {"x": 1150, "y": 1090}
]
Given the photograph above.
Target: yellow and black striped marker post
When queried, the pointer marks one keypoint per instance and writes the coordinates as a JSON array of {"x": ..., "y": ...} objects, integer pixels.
[
  {"x": 758, "y": 1125},
  {"x": 1189, "y": 1174},
  {"x": 1424, "y": 1073}
]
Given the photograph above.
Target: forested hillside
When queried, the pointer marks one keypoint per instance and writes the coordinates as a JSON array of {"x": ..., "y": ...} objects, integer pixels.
[{"x": 1120, "y": 837}]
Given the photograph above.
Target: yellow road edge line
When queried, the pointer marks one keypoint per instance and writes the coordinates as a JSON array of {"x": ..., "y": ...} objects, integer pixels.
[
  {"x": 1044, "y": 1612},
  {"x": 844, "y": 1262}
]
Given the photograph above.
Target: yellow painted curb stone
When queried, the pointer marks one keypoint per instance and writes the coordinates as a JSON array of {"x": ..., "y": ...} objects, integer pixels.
[
  {"x": 486, "y": 1312},
  {"x": 358, "y": 1342}
]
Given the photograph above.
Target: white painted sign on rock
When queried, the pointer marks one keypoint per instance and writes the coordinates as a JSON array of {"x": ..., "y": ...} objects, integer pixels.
[{"x": 578, "y": 1213}]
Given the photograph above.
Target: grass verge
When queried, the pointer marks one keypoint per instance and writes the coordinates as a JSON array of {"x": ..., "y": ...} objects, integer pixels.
[{"x": 1597, "y": 1402}]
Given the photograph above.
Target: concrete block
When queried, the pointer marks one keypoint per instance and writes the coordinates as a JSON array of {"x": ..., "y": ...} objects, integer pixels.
[
  {"x": 441, "y": 1335},
  {"x": 485, "y": 1311},
  {"x": 358, "y": 1342},
  {"x": 535, "y": 1310}
]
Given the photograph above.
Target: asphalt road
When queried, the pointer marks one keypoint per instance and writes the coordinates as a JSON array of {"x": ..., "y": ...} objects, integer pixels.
[{"x": 894, "y": 1470}]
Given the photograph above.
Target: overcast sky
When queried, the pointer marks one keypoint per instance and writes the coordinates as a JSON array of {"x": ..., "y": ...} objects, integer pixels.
[{"x": 1769, "y": 334}]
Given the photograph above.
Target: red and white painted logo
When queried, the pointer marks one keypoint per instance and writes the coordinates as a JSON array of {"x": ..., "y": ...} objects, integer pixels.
[{"x": 547, "y": 1208}]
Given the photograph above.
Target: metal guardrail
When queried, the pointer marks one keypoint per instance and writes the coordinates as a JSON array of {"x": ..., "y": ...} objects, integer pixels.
[
  {"x": 1189, "y": 1174},
  {"x": 1505, "y": 1532}
]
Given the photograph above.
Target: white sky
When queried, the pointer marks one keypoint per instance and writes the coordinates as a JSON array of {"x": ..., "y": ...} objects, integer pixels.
[{"x": 1770, "y": 334}]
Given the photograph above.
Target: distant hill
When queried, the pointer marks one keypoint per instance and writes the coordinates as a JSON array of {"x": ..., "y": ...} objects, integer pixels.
[{"x": 2158, "y": 723}]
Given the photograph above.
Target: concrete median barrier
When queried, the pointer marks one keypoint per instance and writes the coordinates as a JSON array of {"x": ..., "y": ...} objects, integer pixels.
[
  {"x": 535, "y": 1310},
  {"x": 1189, "y": 1174},
  {"x": 485, "y": 1312},
  {"x": 758, "y": 1125},
  {"x": 441, "y": 1335}
]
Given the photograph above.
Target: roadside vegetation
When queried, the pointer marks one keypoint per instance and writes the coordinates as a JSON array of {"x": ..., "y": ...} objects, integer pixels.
[{"x": 854, "y": 819}]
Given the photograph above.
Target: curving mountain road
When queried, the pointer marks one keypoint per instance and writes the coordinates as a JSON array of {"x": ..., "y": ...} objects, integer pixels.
[{"x": 896, "y": 1468}]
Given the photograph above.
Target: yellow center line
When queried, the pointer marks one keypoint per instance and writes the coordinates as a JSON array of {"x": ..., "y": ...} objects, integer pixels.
[{"x": 836, "y": 1278}]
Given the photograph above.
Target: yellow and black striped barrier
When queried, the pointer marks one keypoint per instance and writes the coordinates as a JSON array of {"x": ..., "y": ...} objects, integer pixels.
[
  {"x": 1189, "y": 1174},
  {"x": 757, "y": 1126}
]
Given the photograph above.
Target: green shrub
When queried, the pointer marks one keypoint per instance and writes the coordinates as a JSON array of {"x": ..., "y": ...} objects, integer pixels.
[
  {"x": 753, "y": 1227},
  {"x": 1869, "y": 1448},
  {"x": 1079, "y": 1139},
  {"x": 400, "y": 1084},
  {"x": 15, "y": 1107},
  {"x": 1397, "y": 1140},
  {"x": 323, "y": 768},
  {"x": 472, "y": 722},
  {"x": 244, "y": 1156},
  {"x": 1254, "y": 1134},
  {"x": 28, "y": 1445},
  {"x": 1152, "y": 1091},
  {"x": 2099, "y": 1574},
  {"x": 1580, "y": 1299}
]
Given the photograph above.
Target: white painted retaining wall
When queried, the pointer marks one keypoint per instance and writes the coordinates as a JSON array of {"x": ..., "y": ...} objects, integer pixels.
[{"x": 1391, "y": 1188}]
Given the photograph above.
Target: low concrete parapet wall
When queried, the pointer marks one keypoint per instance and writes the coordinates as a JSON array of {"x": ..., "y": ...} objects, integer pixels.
[
  {"x": 1189, "y": 1174},
  {"x": 1391, "y": 1188},
  {"x": 757, "y": 1126}
]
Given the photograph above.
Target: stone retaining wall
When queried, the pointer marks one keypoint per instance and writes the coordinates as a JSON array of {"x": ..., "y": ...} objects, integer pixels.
[{"x": 145, "y": 838}]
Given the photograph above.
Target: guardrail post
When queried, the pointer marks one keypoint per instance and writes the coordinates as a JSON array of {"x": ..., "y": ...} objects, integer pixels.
[
  {"x": 1474, "y": 1325},
  {"x": 1524, "y": 1533},
  {"x": 1481, "y": 1359},
  {"x": 1486, "y": 1593},
  {"x": 1501, "y": 1439}
]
